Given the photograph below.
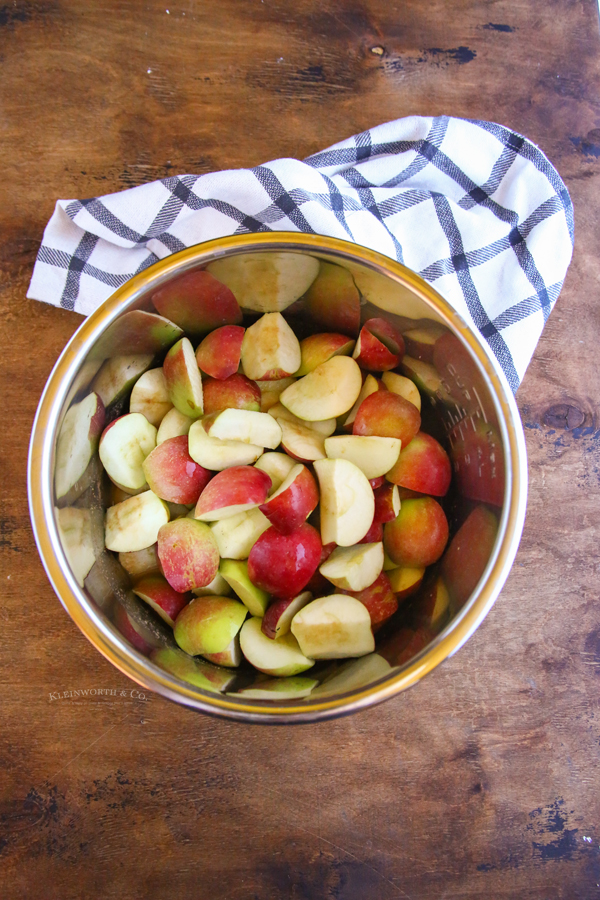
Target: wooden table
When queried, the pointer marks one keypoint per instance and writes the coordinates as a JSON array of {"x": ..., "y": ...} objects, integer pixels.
[{"x": 482, "y": 781}]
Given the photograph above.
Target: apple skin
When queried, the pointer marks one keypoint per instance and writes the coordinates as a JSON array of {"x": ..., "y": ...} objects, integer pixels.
[
  {"x": 198, "y": 303},
  {"x": 468, "y": 554},
  {"x": 183, "y": 379},
  {"x": 158, "y": 593},
  {"x": 418, "y": 535},
  {"x": 318, "y": 584},
  {"x": 208, "y": 624},
  {"x": 274, "y": 623},
  {"x": 318, "y": 348},
  {"x": 400, "y": 384},
  {"x": 478, "y": 458},
  {"x": 239, "y": 486},
  {"x": 405, "y": 581},
  {"x": 283, "y": 564},
  {"x": 420, "y": 341},
  {"x": 423, "y": 466},
  {"x": 172, "y": 473},
  {"x": 125, "y": 625},
  {"x": 194, "y": 671},
  {"x": 234, "y": 392},
  {"x": 399, "y": 648},
  {"x": 379, "y": 599},
  {"x": 219, "y": 354},
  {"x": 373, "y": 535},
  {"x": 370, "y": 386},
  {"x": 188, "y": 554},
  {"x": 387, "y": 415},
  {"x": 387, "y": 503},
  {"x": 380, "y": 346},
  {"x": 333, "y": 300},
  {"x": 294, "y": 501}
]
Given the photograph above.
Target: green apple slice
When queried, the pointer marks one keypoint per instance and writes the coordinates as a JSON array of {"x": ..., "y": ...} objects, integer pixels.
[
  {"x": 215, "y": 454},
  {"x": 373, "y": 455},
  {"x": 280, "y": 658},
  {"x": 291, "y": 688},
  {"x": 333, "y": 627},
  {"x": 235, "y": 573},
  {"x": 134, "y": 524}
]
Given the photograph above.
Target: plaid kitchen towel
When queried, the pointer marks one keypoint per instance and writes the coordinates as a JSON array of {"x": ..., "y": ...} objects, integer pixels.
[{"x": 476, "y": 209}]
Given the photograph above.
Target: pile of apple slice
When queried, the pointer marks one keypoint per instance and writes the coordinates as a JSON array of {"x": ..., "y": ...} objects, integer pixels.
[{"x": 274, "y": 499}]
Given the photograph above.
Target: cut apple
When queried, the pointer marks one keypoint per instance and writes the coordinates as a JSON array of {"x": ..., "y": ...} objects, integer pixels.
[
  {"x": 283, "y": 564},
  {"x": 198, "y": 302},
  {"x": 379, "y": 599},
  {"x": 371, "y": 386},
  {"x": 140, "y": 562},
  {"x": 235, "y": 573},
  {"x": 270, "y": 391},
  {"x": 404, "y": 387},
  {"x": 150, "y": 396},
  {"x": 277, "y": 619},
  {"x": 134, "y": 333},
  {"x": 325, "y": 393},
  {"x": 420, "y": 341},
  {"x": 193, "y": 671},
  {"x": 118, "y": 374},
  {"x": 232, "y": 491},
  {"x": 188, "y": 554},
  {"x": 231, "y": 657},
  {"x": 293, "y": 501},
  {"x": 215, "y": 454},
  {"x": 355, "y": 674},
  {"x": 235, "y": 392},
  {"x": 333, "y": 300},
  {"x": 184, "y": 382},
  {"x": 347, "y": 502},
  {"x": 219, "y": 353},
  {"x": 236, "y": 536},
  {"x": 134, "y": 524},
  {"x": 433, "y": 608},
  {"x": 405, "y": 581},
  {"x": 318, "y": 348},
  {"x": 301, "y": 442},
  {"x": 386, "y": 414},
  {"x": 244, "y": 425},
  {"x": 209, "y": 624},
  {"x": 278, "y": 466},
  {"x": 427, "y": 379},
  {"x": 380, "y": 346},
  {"x": 270, "y": 349},
  {"x": 423, "y": 466},
  {"x": 280, "y": 658},
  {"x": 124, "y": 446},
  {"x": 290, "y": 688},
  {"x": 266, "y": 282},
  {"x": 75, "y": 527},
  {"x": 333, "y": 627},
  {"x": 218, "y": 587},
  {"x": 324, "y": 427},
  {"x": 354, "y": 568},
  {"x": 174, "y": 424},
  {"x": 387, "y": 502},
  {"x": 173, "y": 475},
  {"x": 373, "y": 455},
  {"x": 156, "y": 591},
  {"x": 77, "y": 443}
]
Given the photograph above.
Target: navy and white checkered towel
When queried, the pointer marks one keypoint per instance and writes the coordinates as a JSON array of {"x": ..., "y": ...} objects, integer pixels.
[{"x": 473, "y": 207}]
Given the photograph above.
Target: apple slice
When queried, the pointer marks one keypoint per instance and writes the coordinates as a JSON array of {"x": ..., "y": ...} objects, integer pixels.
[
  {"x": 433, "y": 607},
  {"x": 374, "y": 535},
  {"x": 193, "y": 671},
  {"x": 244, "y": 425},
  {"x": 231, "y": 657},
  {"x": 418, "y": 535},
  {"x": 232, "y": 491},
  {"x": 266, "y": 282},
  {"x": 427, "y": 379},
  {"x": 405, "y": 581},
  {"x": 333, "y": 300},
  {"x": 209, "y": 624},
  {"x": 318, "y": 348},
  {"x": 380, "y": 346},
  {"x": 198, "y": 303},
  {"x": 174, "y": 424},
  {"x": 156, "y": 591},
  {"x": 124, "y": 446},
  {"x": 75, "y": 527},
  {"x": 357, "y": 673},
  {"x": 379, "y": 599},
  {"x": 184, "y": 382},
  {"x": 270, "y": 391},
  {"x": 293, "y": 501},
  {"x": 404, "y": 387},
  {"x": 303, "y": 443},
  {"x": 218, "y": 587},
  {"x": 215, "y": 454},
  {"x": 150, "y": 397},
  {"x": 324, "y": 427},
  {"x": 219, "y": 353},
  {"x": 420, "y": 341},
  {"x": 277, "y": 619},
  {"x": 282, "y": 657},
  {"x": 370, "y": 386},
  {"x": 118, "y": 374},
  {"x": 235, "y": 573},
  {"x": 325, "y": 393},
  {"x": 134, "y": 524},
  {"x": 277, "y": 465},
  {"x": 277, "y": 689},
  {"x": 236, "y": 536},
  {"x": 373, "y": 455},
  {"x": 172, "y": 473},
  {"x": 423, "y": 466},
  {"x": 136, "y": 332},
  {"x": 270, "y": 349},
  {"x": 141, "y": 562},
  {"x": 333, "y": 627},
  {"x": 188, "y": 554},
  {"x": 387, "y": 415},
  {"x": 468, "y": 554},
  {"x": 236, "y": 392},
  {"x": 77, "y": 443},
  {"x": 347, "y": 502},
  {"x": 354, "y": 568},
  {"x": 282, "y": 564},
  {"x": 387, "y": 502}
]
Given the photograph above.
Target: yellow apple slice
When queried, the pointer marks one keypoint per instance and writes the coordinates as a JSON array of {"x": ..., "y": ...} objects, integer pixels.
[
  {"x": 400, "y": 384},
  {"x": 215, "y": 454},
  {"x": 266, "y": 282},
  {"x": 150, "y": 396},
  {"x": 237, "y": 535},
  {"x": 281, "y": 658},
  {"x": 302, "y": 442},
  {"x": 373, "y": 455},
  {"x": 325, "y": 393},
  {"x": 244, "y": 425},
  {"x": 347, "y": 501},
  {"x": 270, "y": 349},
  {"x": 277, "y": 466},
  {"x": 290, "y": 688},
  {"x": 326, "y": 427},
  {"x": 357, "y": 673},
  {"x": 134, "y": 524},
  {"x": 270, "y": 391},
  {"x": 354, "y": 568},
  {"x": 174, "y": 424},
  {"x": 333, "y": 627}
]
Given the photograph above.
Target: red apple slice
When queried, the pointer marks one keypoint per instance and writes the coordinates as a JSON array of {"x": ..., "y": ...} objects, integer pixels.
[
  {"x": 282, "y": 657},
  {"x": 373, "y": 455},
  {"x": 188, "y": 554},
  {"x": 354, "y": 568},
  {"x": 172, "y": 473},
  {"x": 324, "y": 427},
  {"x": 405, "y": 581},
  {"x": 347, "y": 502},
  {"x": 215, "y": 454},
  {"x": 266, "y": 282},
  {"x": 118, "y": 375},
  {"x": 418, "y": 535},
  {"x": 371, "y": 386},
  {"x": 293, "y": 501},
  {"x": 236, "y": 392},
  {"x": 244, "y": 425},
  {"x": 303, "y": 443},
  {"x": 379, "y": 599},
  {"x": 387, "y": 502},
  {"x": 404, "y": 387},
  {"x": 150, "y": 397},
  {"x": 232, "y": 491},
  {"x": 333, "y": 300},
  {"x": 278, "y": 618},
  {"x": 158, "y": 593},
  {"x": 278, "y": 466},
  {"x": 134, "y": 524},
  {"x": 197, "y": 302},
  {"x": 124, "y": 446},
  {"x": 333, "y": 627},
  {"x": 318, "y": 348},
  {"x": 325, "y": 393},
  {"x": 423, "y": 466},
  {"x": 173, "y": 425},
  {"x": 184, "y": 383},
  {"x": 220, "y": 352},
  {"x": 236, "y": 536},
  {"x": 209, "y": 624},
  {"x": 282, "y": 564},
  {"x": 270, "y": 349},
  {"x": 380, "y": 346},
  {"x": 77, "y": 443},
  {"x": 387, "y": 415}
]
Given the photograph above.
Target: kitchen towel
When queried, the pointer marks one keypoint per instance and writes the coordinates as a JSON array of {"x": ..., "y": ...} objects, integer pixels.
[{"x": 475, "y": 208}]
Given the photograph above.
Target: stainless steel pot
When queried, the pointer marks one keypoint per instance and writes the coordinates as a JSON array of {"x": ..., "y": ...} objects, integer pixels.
[{"x": 467, "y": 395}]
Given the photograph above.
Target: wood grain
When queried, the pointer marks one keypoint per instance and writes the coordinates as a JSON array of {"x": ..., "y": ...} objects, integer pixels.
[{"x": 481, "y": 781}]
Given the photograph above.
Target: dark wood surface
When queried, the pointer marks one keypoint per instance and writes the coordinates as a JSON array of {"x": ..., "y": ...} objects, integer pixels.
[{"x": 480, "y": 782}]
